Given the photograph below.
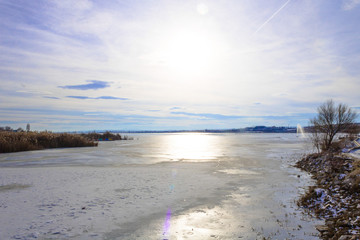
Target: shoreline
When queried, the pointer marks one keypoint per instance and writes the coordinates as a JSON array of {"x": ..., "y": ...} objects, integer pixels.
[{"x": 335, "y": 196}]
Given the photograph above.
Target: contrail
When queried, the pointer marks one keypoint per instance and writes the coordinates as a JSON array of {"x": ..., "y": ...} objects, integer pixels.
[{"x": 272, "y": 16}]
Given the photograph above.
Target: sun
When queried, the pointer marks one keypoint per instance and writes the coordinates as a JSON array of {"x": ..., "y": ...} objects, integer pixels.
[
  {"x": 202, "y": 9},
  {"x": 191, "y": 49},
  {"x": 190, "y": 44}
]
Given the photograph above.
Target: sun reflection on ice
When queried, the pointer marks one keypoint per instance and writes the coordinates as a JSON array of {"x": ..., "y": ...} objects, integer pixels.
[
  {"x": 201, "y": 224},
  {"x": 194, "y": 147},
  {"x": 191, "y": 146}
]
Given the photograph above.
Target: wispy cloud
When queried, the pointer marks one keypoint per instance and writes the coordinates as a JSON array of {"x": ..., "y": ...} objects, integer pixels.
[
  {"x": 207, "y": 115},
  {"x": 110, "y": 98},
  {"x": 101, "y": 97},
  {"x": 50, "y": 97},
  {"x": 79, "y": 97},
  {"x": 92, "y": 85},
  {"x": 350, "y": 4},
  {"x": 34, "y": 92},
  {"x": 229, "y": 117}
]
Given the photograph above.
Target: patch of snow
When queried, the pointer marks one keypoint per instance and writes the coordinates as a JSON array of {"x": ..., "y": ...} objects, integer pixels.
[{"x": 342, "y": 176}]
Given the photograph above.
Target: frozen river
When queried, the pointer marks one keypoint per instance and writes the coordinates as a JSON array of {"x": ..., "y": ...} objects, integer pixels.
[{"x": 158, "y": 186}]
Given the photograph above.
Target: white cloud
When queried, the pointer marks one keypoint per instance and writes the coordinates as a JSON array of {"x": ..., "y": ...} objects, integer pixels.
[
  {"x": 70, "y": 5},
  {"x": 165, "y": 55},
  {"x": 350, "y": 4}
]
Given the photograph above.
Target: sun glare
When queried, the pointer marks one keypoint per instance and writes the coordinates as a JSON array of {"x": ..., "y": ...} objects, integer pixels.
[
  {"x": 191, "y": 147},
  {"x": 189, "y": 45},
  {"x": 191, "y": 50},
  {"x": 202, "y": 9}
]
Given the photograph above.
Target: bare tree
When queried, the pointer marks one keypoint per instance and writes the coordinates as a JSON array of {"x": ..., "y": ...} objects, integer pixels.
[
  {"x": 330, "y": 120},
  {"x": 315, "y": 139}
]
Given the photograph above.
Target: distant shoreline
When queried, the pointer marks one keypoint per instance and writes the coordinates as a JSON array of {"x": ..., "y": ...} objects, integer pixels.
[{"x": 257, "y": 129}]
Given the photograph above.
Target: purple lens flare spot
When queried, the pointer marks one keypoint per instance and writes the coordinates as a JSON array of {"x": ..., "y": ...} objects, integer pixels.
[{"x": 167, "y": 222}]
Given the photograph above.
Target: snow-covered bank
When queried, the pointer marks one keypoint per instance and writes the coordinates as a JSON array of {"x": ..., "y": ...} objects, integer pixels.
[{"x": 335, "y": 197}]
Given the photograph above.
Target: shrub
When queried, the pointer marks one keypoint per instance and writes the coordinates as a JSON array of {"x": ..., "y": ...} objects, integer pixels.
[{"x": 26, "y": 141}]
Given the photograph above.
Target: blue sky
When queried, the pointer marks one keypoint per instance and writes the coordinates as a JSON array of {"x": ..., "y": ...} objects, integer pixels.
[{"x": 159, "y": 65}]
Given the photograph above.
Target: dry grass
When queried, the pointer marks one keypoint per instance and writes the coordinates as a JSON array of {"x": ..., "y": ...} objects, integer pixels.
[
  {"x": 106, "y": 136},
  {"x": 354, "y": 179},
  {"x": 26, "y": 141},
  {"x": 13, "y": 186}
]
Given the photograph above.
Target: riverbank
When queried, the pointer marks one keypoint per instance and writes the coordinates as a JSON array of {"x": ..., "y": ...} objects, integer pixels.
[
  {"x": 335, "y": 196},
  {"x": 28, "y": 141}
]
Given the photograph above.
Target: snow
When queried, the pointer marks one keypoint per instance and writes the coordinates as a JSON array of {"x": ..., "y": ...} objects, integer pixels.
[{"x": 355, "y": 153}]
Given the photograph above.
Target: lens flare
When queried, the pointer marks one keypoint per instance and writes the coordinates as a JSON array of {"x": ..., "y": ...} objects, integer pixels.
[{"x": 167, "y": 223}]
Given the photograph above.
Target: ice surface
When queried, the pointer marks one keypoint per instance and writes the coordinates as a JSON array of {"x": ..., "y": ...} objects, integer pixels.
[{"x": 227, "y": 186}]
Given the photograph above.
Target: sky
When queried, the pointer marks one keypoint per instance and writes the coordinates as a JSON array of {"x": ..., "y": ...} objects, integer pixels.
[{"x": 77, "y": 65}]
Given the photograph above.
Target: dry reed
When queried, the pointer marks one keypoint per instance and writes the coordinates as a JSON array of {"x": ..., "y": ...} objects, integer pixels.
[{"x": 26, "y": 141}]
